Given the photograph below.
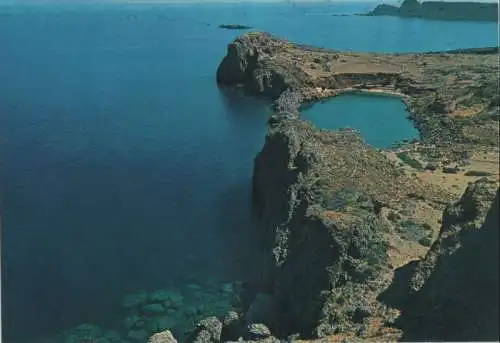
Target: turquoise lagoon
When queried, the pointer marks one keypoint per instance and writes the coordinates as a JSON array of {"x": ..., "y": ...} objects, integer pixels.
[{"x": 382, "y": 120}]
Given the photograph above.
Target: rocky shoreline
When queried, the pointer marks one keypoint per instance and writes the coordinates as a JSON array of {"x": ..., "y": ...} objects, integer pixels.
[
  {"x": 339, "y": 222},
  {"x": 452, "y": 97}
]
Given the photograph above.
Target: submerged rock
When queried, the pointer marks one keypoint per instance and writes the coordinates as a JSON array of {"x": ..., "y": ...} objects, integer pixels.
[
  {"x": 138, "y": 335},
  {"x": 153, "y": 309},
  {"x": 177, "y": 309},
  {"x": 164, "y": 295},
  {"x": 163, "y": 323},
  {"x": 133, "y": 322},
  {"x": 135, "y": 300},
  {"x": 85, "y": 333}
]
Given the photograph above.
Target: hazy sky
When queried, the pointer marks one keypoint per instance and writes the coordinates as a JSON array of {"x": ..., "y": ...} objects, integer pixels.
[
  {"x": 148, "y": 1},
  {"x": 14, "y": 2}
]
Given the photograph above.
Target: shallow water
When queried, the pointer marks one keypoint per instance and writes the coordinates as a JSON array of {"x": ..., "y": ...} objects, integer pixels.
[
  {"x": 124, "y": 167},
  {"x": 382, "y": 120}
]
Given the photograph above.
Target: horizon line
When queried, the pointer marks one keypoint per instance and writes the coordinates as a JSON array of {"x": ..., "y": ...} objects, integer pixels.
[{"x": 104, "y": 2}]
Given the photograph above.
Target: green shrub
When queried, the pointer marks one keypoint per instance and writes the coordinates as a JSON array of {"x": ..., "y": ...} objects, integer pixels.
[
  {"x": 416, "y": 196},
  {"x": 450, "y": 170},
  {"x": 409, "y": 161},
  {"x": 425, "y": 241},
  {"x": 426, "y": 226},
  {"x": 431, "y": 166},
  {"x": 477, "y": 173},
  {"x": 393, "y": 217}
]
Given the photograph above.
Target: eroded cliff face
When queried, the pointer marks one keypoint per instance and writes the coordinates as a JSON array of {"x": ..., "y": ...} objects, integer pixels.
[
  {"x": 245, "y": 65},
  {"x": 456, "y": 284},
  {"x": 324, "y": 258},
  {"x": 324, "y": 254},
  {"x": 460, "y": 221}
]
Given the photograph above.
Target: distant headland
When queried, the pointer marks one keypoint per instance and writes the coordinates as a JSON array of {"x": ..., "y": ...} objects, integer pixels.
[{"x": 440, "y": 10}]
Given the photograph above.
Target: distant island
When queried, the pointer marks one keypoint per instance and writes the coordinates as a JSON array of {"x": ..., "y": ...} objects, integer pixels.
[
  {"x": 440, "y": 10},
  {"x": 234, "y": 27}
]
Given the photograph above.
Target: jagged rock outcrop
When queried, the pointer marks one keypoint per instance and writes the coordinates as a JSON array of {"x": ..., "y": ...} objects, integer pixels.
[
  {"x": 208, "y": 330},
  {"x": 440, "y": 10},
  {"x": 467, "y": 214},
  {"x": 288, "y": 103},
  {"x": 318, "y": 195},
  {"x": 246, "y": 64},
  {"x": 257, "y": 332},
  {"x": 456, "y": 284}
]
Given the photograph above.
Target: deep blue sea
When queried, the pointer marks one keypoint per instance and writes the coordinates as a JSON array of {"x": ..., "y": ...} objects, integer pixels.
[{"x": 123, "y": 166}]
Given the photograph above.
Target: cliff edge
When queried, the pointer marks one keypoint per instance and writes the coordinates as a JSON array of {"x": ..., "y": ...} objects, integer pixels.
[
  {"x": 321, "y": 198},
  {"x": 452, "y": 293},
  {"x": 452, "y": 97},
  {"x": 346, "y": 246}
]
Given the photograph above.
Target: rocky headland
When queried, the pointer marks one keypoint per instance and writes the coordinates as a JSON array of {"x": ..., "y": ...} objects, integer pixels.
[
  {"x": 440, "y": 10},
  {"x": 350, "y": 240},
  {"x": 452, "y": 97}
]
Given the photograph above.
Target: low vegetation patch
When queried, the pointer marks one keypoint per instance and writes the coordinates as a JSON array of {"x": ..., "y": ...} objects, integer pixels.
[
  {"x": 477, "y": 173},
  {"x": 393, "y": 217},
  {"x": 450, "y": 170},
  {"x": 412, "y": 230},
  {"x": 409, "y": 160},
  {"x": 425, "y": 241}
]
